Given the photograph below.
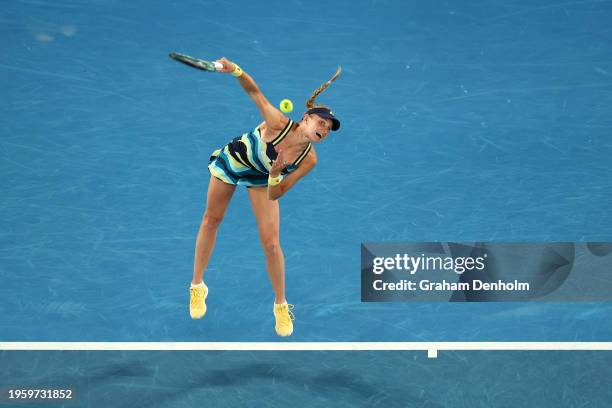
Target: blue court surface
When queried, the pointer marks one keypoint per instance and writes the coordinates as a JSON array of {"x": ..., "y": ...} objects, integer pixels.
[
  {"x": 317, "y": 379},
  {"x": 461, "y": 121}
]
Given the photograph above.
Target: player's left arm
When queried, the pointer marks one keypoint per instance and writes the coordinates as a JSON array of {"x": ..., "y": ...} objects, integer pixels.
[{"x": 277, "y": 191}]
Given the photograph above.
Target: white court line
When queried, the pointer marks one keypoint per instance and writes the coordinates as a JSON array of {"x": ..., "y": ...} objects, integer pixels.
[{"x": 432, "y": 348}]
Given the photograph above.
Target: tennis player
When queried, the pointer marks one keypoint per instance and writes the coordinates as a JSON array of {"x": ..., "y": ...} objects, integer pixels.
[{"x": 268, "y": 160}]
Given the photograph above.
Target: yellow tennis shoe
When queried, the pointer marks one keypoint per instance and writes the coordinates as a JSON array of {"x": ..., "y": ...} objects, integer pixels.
[
  {"x": 197, "y": 300},
  {"x": 284, "y": 319}
]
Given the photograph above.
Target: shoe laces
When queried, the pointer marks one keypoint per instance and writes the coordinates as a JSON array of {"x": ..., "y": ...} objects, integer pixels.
[
  {"x": 196, "y": 296},
  {"x": 289, "y": 314}
]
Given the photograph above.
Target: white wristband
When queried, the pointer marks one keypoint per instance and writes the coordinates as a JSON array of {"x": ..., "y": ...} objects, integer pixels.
[
  {"x": 237, "y": 72},
  {"x": 273, "y": 181}
]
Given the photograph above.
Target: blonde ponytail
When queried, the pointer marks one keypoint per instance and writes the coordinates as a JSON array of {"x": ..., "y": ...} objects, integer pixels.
[{"x": 310, "y": 103}]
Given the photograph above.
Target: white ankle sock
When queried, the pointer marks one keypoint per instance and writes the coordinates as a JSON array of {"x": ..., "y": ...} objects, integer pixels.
[{"x": 199, "y": 285}]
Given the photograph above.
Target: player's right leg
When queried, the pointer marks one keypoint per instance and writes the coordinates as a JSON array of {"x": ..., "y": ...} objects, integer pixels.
[{"x": 217, "y": 199}]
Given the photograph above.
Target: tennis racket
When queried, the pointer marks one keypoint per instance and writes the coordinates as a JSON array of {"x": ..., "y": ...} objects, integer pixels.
[{"x": 196, "y": 62}]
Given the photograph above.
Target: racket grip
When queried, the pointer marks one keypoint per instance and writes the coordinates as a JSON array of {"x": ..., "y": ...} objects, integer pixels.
[{"x": 218, "y": 65}]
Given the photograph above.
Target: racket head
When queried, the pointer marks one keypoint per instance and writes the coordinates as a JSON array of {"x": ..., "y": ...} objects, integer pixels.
[{"x": 193, "y": 62}]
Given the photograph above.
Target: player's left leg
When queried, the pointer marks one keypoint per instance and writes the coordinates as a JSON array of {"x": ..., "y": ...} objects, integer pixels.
[{"x": 267, "y": 213}]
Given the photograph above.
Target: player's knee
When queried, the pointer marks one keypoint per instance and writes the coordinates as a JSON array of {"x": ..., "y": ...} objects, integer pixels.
[
  {"x": 211, "y": 222},
  {"x": 271, "y": 247}
]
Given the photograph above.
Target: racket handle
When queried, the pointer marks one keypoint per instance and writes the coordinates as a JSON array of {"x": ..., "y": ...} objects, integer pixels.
[{"x": 218, "y": 65}]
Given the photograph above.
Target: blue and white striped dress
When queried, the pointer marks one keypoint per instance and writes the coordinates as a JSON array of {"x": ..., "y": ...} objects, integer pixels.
[{"x": 246, "y": 160}]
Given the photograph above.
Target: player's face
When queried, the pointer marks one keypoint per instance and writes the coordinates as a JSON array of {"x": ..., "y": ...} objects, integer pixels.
[{"x": 317, "y": 128}]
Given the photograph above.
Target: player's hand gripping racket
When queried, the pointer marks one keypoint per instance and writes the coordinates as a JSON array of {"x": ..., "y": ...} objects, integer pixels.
[{"x": 196, "y": 62}]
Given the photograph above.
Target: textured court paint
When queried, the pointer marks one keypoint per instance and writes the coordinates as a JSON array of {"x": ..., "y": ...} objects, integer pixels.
[
  {"x": 478, "y": 121},
  {"x": 486, "y": 121},
  {"x": 318, "y": 379}
]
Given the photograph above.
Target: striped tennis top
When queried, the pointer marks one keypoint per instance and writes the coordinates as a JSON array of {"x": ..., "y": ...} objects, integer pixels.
[{"x": 247, "y": 159}]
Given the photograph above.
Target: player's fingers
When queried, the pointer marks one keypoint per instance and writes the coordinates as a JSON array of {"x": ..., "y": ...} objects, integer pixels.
[{"x": 226, "y": 64}]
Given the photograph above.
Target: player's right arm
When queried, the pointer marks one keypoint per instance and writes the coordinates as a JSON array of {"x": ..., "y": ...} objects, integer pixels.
[{"x": 274, "y": 118}]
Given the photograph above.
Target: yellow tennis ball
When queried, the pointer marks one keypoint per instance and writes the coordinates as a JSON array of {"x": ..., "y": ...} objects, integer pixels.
[{"x": 286, "y": 105}]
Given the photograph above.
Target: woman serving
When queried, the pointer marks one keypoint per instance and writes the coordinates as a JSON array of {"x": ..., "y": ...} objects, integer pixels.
[{"x": 269, "y": 160}]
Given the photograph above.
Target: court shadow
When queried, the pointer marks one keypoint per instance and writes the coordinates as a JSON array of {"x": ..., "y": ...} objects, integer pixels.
[
  {"x": 121, "y": 369},
  {"x": 350, "y": 386},
  {"x": 237, "y": 376}
]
